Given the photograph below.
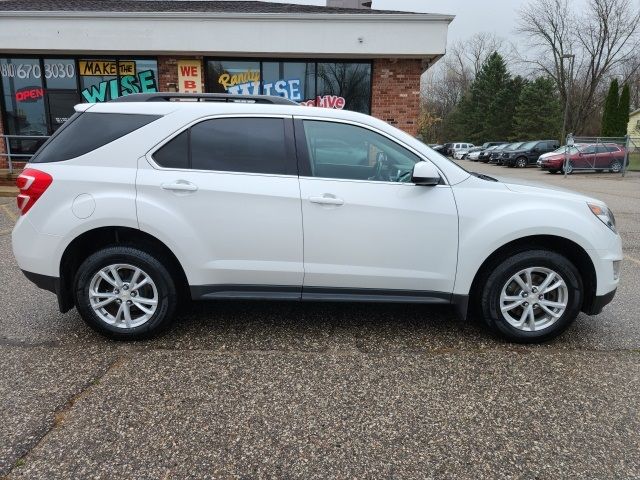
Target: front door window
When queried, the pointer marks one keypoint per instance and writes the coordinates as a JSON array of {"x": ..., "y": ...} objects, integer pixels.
[{"x": 339, "y": 150}]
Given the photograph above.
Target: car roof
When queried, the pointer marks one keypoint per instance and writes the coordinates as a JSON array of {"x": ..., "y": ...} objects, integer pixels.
[{"x": 224, "y": 108}]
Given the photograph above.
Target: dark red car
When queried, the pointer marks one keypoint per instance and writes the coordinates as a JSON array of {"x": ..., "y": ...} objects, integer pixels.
[{"x": 599, "y": 157}]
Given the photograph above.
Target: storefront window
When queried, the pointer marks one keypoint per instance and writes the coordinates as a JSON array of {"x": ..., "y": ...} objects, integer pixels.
[
  {"x": 60, "y": 73},
  {"x": 240, "y": 78},
  {"x": 23, "y": 101},
  {"x": 330, "y": 84},
  {"x": 102, "y": 80},
  {"x": 347, "y": 83},
  {"x": 293, "y": 80}
]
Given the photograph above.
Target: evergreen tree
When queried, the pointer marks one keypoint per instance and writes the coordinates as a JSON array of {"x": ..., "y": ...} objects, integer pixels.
[
  {"x": 538, "y": 114},
  {"x": 624, "y": 107},
  {"x": 610, "y": 113},
  {"x": 486, "y": 112}
]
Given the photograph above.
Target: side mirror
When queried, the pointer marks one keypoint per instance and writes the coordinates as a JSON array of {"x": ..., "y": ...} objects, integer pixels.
[{"x": 426, "y": 174}]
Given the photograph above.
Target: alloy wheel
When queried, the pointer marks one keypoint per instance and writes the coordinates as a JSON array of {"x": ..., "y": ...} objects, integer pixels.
[
  {"x": 123, "y": 296},
  {"x": 615, "y": 166},
  {"x": 534, "y": 299}
]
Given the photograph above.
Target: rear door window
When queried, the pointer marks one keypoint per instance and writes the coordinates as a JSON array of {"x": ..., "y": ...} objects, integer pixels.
[
  {"x": 174, "y": 153},
  {"x": 88, "y": 131},
  {"x": 239, "y": 145},
  {"x": 250, "y": 145}
]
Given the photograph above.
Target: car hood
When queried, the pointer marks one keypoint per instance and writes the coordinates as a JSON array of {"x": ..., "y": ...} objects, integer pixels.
[
  {"x": 539, "y": 188},
  {"x": 557, "y": 156}
]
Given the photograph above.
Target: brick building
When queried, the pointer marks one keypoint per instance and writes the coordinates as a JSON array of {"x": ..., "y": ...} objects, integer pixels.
[{"x": 57, "y": 53}]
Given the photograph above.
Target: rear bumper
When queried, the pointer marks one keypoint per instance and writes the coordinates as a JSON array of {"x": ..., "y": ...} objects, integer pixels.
[
  {"x": 50, "y": 284},
  {"x": 45, "y": 282}
]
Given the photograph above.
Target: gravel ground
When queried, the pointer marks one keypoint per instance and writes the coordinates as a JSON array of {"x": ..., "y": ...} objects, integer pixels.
[{"x": 285, "y": 390}]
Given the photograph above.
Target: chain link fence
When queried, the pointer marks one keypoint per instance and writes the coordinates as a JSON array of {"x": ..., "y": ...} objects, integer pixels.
[{"x": 615, "y": 155}]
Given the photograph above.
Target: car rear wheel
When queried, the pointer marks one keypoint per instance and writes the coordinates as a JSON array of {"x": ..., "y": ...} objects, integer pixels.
[
  {"x": 125, "y": 293},
  {"x": 532, "y": 296},
  {"x": 615, "y": 166},
  {"x": 521, "y": 162}
]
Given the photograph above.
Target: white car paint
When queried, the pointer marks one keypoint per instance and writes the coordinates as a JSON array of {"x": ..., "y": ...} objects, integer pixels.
[{"x": 243, "y": 229}]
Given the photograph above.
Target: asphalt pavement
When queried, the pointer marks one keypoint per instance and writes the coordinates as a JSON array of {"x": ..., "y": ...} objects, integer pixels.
[{"x": 289, "y": 390}]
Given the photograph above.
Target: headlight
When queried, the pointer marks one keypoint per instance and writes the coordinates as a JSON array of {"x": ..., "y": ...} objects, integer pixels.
[{"x": 604, "y": 214}]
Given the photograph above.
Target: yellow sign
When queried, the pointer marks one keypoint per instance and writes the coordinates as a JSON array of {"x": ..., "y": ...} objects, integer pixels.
[
  {"x": 229, "y": 80},
  {"x": 106, "y": 67},
  {"x": 189, "y": 78}
]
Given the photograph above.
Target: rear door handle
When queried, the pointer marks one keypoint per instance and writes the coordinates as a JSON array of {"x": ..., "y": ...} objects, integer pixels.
[
  {"x": 180, "y": 186},
  {"x": 327, "y": 200}
]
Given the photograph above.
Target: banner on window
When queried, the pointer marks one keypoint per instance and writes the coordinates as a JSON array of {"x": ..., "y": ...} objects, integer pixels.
[{"x": 189, "y": 76}]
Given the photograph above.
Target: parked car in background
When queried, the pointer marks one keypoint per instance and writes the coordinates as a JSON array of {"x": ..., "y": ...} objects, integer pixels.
[
  {"x": 557, "y": 151},
  {"x": 486, "y": 145},
  {"x": 496, "y": 151},
  {"x": 474, "y": 153},
  {"x": 496, "y": 157},
  {"x": 599, "y": 157},
  {"x": 470, "y": 151},
  {"x": 528, "y": 153},
  {"x": 437, "y": 147},
  {"x": 459, "y": 149},
  {"x": 484, "y": 154},
  {"x": 446, "y": 149}
]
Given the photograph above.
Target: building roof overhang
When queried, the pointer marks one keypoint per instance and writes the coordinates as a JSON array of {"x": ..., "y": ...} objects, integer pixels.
[{"x": 214, "y": 33}]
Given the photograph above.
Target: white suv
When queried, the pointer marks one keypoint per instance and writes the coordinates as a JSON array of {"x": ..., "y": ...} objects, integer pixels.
[{"x": 138, "y": 203}]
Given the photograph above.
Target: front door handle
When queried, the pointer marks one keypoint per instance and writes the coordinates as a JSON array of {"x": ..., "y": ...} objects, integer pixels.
[
  {"x": 180, "y": 186},
  {"x": 327, "y": 199}
]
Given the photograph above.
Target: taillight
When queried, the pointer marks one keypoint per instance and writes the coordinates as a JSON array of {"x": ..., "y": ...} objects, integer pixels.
[{"x": 32, "y": 183}]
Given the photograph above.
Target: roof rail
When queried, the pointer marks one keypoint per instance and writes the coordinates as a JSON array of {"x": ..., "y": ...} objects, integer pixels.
[{"x": 204, "y": 97}]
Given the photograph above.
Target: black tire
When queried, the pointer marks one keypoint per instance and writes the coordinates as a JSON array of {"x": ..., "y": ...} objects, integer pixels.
[
  {"x": 521, "y": 162},
  {"x": 569, "y": 168},
  {"x": 615, "y": 166},
  {"x": 166, "y": 292},
  {"x": 553, "y": 171},
  {"x": 500, "y": 273}
]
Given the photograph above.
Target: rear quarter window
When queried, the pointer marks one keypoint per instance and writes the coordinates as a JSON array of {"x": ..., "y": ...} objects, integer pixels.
[{"x": 88, "y": 131}]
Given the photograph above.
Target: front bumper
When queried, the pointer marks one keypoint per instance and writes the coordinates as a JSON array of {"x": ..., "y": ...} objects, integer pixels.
[
  {"x": 550, "y": 165},
  {"x": 598, "y": 303}
]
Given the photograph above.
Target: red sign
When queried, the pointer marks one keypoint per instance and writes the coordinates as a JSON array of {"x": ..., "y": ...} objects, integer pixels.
[
  {"x": 29, "y": 94},
  {"x": 328, "y": 101}
]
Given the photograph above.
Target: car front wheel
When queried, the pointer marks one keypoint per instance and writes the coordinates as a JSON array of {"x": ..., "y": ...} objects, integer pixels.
[
  {"x": 569, "y": 168},
  {"x": 125, "y": 293},
  {"x": 521, "y": 162},
  {"x": 532, "y": 296}
]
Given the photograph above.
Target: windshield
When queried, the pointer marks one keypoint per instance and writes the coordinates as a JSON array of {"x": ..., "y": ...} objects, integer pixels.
[
  {"x": 528, "y": 145},
  {"x": 514, "y": 146}
]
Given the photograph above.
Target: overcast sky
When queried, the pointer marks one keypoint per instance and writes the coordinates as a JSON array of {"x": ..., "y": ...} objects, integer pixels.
[{"x": 471, "y": 15}]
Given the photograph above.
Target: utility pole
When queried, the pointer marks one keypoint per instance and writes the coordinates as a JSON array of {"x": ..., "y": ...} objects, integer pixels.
[{"x": 569, "y": 87}]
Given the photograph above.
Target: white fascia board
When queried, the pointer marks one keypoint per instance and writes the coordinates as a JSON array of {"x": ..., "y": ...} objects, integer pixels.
[{"x": 278, "y": 35}]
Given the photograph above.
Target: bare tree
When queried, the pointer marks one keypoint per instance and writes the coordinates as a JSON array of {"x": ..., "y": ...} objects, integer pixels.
[
  {"x": 444, "y": 85},
  {"x": 603, "y": 39}
]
